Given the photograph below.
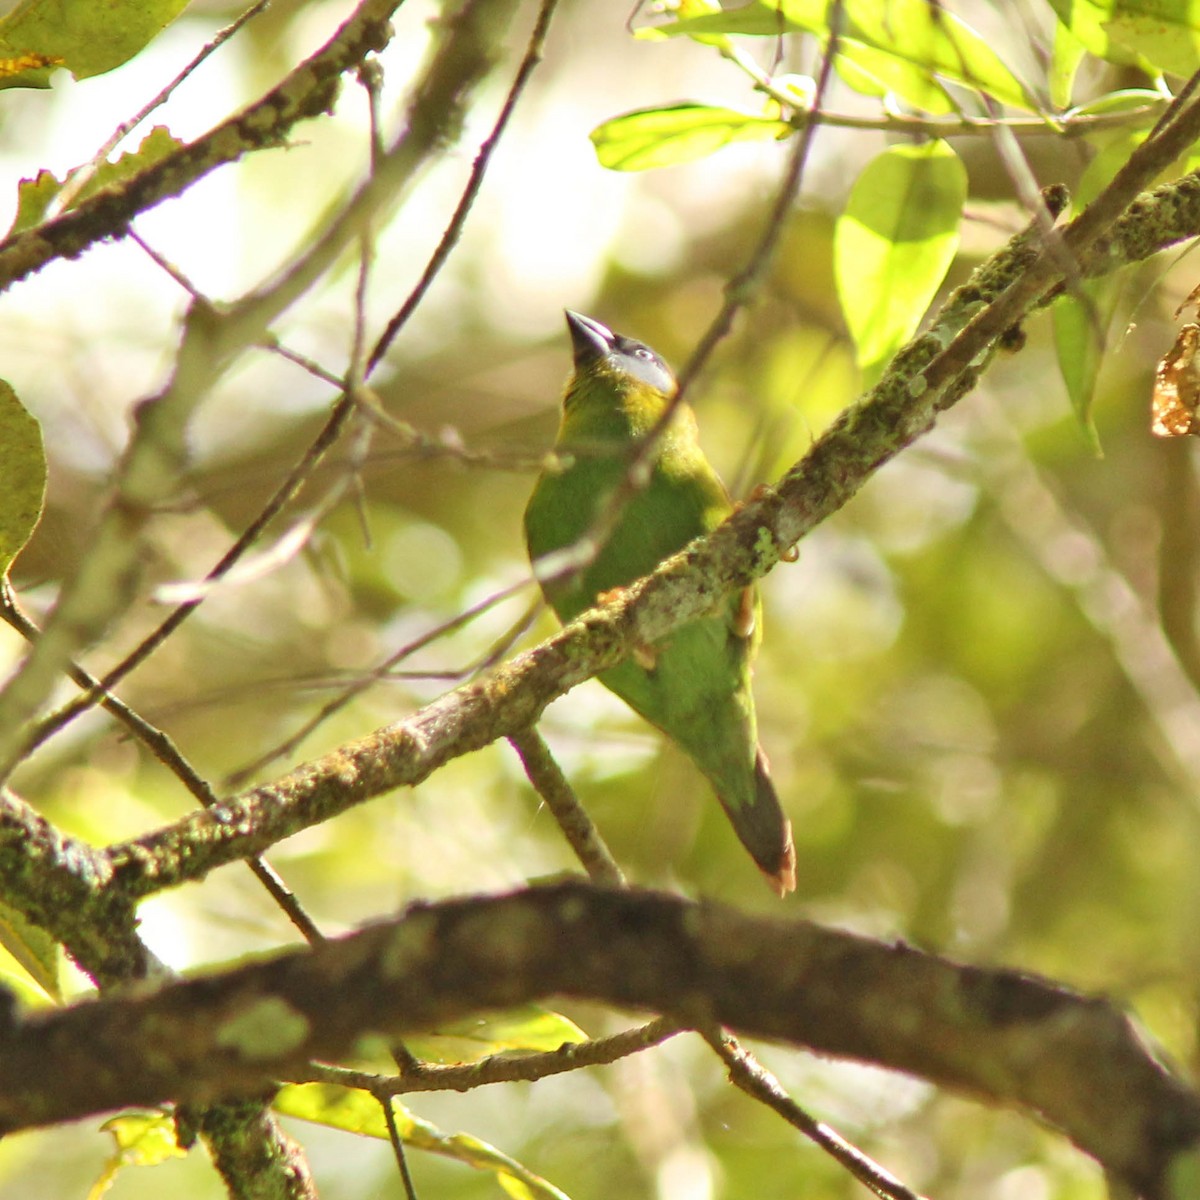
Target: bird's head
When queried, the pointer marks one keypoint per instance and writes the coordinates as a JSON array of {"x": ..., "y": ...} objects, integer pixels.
[{"x": 620, "y": 361}]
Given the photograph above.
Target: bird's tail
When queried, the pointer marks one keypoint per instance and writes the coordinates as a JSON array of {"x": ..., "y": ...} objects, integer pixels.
[{"x": 764, "y": 830}]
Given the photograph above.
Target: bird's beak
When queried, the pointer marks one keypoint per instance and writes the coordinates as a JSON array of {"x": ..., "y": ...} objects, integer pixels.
[{"x": 589, "y": 339}]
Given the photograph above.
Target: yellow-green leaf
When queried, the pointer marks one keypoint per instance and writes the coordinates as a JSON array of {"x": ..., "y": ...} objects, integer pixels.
[
  {"x": 929, "y": 37},
  {"x": 894, "y": 244},
  {"x": 1064, "y": 66},
  {"x": 356, "y": 1111},
  {"x": 34, "y": 196},
  {"x": 677, "y": 133},
  {"x": 1143, "y": 101},
  {"x": 32, "y": 947},
  {"x": 922, "y": 34},
  {"x": 875, "y": 72},
  {"x": 528, "y": 1028},
  {"x": 144, "y": 1139},
  {"x": 22, "y": 476},
  {"x": 88, "y": 37},
  {"x": 1151, "y": 33},
  {"x": 1080, "y": 324}
]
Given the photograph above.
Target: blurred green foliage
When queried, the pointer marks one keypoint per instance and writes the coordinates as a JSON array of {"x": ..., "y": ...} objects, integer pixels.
[{"x": 977, "y": 685}]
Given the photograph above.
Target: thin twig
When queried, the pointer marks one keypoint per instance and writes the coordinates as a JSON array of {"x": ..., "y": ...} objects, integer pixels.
[
  {"x": 79, "y": 180},
  {"x": 240, "y": 777},
  {"x": 755, "y": 1080},
  {"x": 578, "y": 828},
  {"x": 163, "y": 747},
  {"x": 394, "y": 1137},
  {"x": 533, "y": 55},
  {"x": 282, "y": 496},
  {"x": 500, "y": 1068}
]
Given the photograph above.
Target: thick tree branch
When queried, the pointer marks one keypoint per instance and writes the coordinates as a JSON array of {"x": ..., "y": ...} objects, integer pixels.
[{"x": 1004, "y": 1037}]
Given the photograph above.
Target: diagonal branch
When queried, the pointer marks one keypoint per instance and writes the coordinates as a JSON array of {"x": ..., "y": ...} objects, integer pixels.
[
  {"x": 307, "y": 91},
  {"x": 928, "y": 376}
]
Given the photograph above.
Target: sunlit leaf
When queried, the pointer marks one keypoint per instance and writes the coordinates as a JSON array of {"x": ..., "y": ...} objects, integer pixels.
[
  {"x": 88, "y": 37},
  {"x": 1130, "y": 100},
  {"x": 34, "y": 196},
  {"x": 894, "y": 244},
  {"x": 923, "y": 34},
  {"x": 143, "y": 1140},
  {"x": 685, "y": 10},
  {"x": 875, "y": 72},
  {"x": 928, "y": 36},
  {"x": 1153, "y": 34},
  {"x": 22, "y": 475},
  {"x": 355, "y": 1111},
  {"x": 529, "y": 1028},
  {"x": 26, "y": 993},
  {"x": 1064, "y": 65},
  {"x": 678, "y": 133}
]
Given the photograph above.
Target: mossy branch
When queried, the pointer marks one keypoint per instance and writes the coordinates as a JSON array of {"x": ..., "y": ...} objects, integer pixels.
[
  {"x": 1006, "y": 1037},
  {"x": 927, "y": 377}
]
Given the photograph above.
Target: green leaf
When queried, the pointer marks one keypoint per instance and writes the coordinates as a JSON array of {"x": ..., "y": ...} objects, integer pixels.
[
  {"x": 922, "y": 34},
  {"x": 894, "y": 244},
  {"x": 22, "y": 476},
  {"x": 1081, "y": 318},
  {"x": 88, "y": 37},
  {"x": 762, "y": 18},
  {"x": 1064, "y": 65},
  {"x": 875, "y": 72},
  {"x": 33, "y": 948},
  {"x": 686, "y": 10},
  {"x": 143, "y": 1140},
  {"x": 933, "y": 39},
  {"x": 356, "y": 1111},
  {"x": 1144, "y": 101},
  {"x": 26, "y": 993},
  {"x": 1167, "y": 35},
  {"x": 1080, "y": 323},
  {"x": 1159, "y": 35},
  {"x": 528, "y": 1028},
  {"x": 34, "y": 196},
  {"x": 677, "y": 133}
]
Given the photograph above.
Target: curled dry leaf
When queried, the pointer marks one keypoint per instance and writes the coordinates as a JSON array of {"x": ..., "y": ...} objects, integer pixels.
[{"x": 1177, "y": 387}]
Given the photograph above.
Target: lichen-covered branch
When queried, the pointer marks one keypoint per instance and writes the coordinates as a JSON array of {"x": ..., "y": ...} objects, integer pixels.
[
  {"x": 1009, "y": 1038},
  {"x": 306, "y": 92},
  {"x": 904, "y": 405}
]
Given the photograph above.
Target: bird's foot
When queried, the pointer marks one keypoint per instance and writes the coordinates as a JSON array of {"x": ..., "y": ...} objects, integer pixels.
[{"x": 646, "y": 657}]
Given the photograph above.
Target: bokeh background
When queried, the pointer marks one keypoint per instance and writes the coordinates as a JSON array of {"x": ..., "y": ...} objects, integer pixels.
[{"x": 977, "y": 684}]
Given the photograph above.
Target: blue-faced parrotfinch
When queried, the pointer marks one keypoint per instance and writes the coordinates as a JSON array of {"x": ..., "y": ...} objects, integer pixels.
[{"x": 695, "y": 684}]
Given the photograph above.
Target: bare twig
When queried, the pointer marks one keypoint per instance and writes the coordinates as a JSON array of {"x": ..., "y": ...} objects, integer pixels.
[
  {"x": 163, "y": 747},
  {"x": 755, "y": 1080},
  {"x": 500, "y": 1068},
  {"x": 555, "y": 789},
  {"x": 79, "y": 179},
  {"x": 533, "y": 55},
  {"x": 369, "y": 679}
]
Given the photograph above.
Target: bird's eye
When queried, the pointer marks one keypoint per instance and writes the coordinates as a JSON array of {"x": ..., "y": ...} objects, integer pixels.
[{"x": 645, "y": 352}]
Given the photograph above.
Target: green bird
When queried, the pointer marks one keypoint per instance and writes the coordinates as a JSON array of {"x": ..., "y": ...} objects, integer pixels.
[{"x": 695, "y": 684}]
